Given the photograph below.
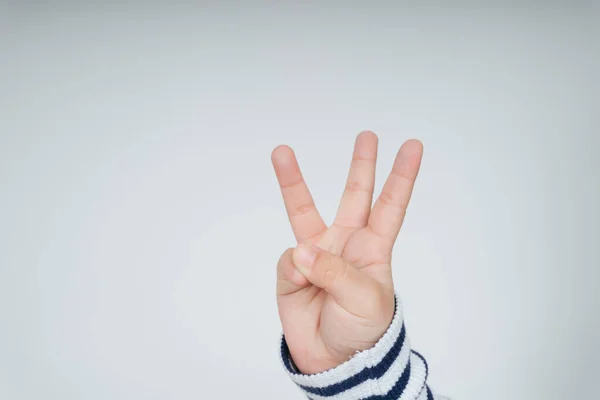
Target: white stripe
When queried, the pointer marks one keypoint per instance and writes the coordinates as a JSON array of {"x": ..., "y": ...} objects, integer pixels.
[
  {"x": 382, "y": 385},
  {"x": 418, "y": 376},
  {"x": 360, "y": 361}
]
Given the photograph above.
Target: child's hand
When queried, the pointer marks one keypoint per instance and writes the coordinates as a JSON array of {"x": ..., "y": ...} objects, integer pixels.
[{"x": 344, "y": 301}]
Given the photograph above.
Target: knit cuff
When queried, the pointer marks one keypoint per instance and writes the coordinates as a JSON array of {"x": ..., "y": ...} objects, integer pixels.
[{"x": 388, "y": 370}]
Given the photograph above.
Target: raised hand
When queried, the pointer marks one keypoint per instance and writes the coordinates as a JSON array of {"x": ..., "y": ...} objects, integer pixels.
[{"x": 335, "y": 292}]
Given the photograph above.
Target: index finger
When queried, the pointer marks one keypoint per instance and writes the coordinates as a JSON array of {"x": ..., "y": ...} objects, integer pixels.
[{"x": 301, "y": 210}]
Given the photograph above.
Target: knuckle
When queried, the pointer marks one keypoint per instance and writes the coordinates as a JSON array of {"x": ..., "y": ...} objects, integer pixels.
[
  {"x": 302, "y": 209},
  {"x": 403, "y": 176},
  {"x": 356, "y": 186},
  {"x": 388, "y": 200}
]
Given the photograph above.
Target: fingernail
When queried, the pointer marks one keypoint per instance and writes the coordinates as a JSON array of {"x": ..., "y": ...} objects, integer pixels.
[{"x": 305, "y": 257}]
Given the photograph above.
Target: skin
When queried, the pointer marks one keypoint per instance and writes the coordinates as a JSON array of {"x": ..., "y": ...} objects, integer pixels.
[{"x": 335, "y": 292}]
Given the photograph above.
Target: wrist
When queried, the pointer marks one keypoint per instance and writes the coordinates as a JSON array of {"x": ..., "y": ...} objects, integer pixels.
[
  {"x": 311, "y": 367},
  {"x": 389, "y": 369},
  {"x": 332, "y": 347}
]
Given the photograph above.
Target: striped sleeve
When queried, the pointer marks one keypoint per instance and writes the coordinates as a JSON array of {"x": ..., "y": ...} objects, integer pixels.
[{"x": 390, "y": 370}]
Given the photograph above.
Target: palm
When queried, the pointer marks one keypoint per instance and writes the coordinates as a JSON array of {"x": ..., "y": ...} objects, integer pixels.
[{"x": 320, "y": 331}]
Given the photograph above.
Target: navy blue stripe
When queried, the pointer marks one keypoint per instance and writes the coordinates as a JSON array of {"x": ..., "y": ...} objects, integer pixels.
[
  {"x": 429, "y": 394},
  {"x": 396, "y": 390},
  {"x": 374, "y": 372},
  {"x": 285, "y": 355}
]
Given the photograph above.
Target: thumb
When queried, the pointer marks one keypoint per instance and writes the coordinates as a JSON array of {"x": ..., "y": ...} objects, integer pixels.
[{"x": 351, "y": 288}]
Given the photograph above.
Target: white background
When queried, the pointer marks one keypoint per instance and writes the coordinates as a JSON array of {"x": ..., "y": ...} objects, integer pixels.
[{"x": 141, "y": 222}]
